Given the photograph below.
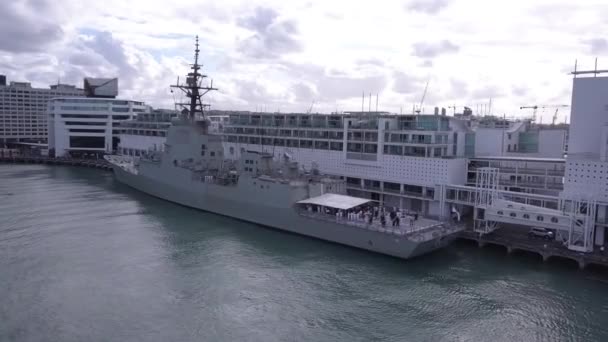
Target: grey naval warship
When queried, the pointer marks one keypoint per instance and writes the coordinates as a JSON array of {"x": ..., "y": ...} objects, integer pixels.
[{"x": 268, "y": 190}]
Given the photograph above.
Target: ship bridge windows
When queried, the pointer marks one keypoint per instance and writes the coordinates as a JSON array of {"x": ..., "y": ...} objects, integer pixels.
[{"x": 292, "y": 143}]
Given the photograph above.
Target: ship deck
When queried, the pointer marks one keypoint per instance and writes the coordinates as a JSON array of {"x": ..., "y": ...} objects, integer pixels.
[{"x": 420, "y": 230}]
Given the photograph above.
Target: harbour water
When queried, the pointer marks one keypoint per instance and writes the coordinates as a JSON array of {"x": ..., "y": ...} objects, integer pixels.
[{"x": 83, "y": 258}]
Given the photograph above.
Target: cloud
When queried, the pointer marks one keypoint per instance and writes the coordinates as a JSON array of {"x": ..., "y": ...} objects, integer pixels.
[
  {"x": 308, "y": 50},
  {"x": 487, "y": 92},
  {"x": 271, "y": 38},
  {"x": 333, "y": 88},
  {"x": 303, "y": 92},
  {"x": 431, "y": 50},
  {"x": 520, "y": 91},
  {"x": 405, "y": 84},
  {"x": 427, "y": 6},
  {"x": 26, "y": 27},
  {"x": 335, "y": 84},
  {"x": 84, "y": 59},
  {"x": 458, "y": 89},
  {"x": 371, "y": 61},
  {"x": 111, "y": 49},
  {"x": 597, "y": 46}
]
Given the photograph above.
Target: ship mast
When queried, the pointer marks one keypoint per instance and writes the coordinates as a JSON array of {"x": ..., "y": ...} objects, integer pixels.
[{"x": 193, "y": 89}]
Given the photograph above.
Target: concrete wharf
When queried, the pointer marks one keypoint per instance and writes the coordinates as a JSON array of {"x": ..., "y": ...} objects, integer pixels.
[
  {"x": 93, "y": 163},
  {"x": 515, "y": 238}
]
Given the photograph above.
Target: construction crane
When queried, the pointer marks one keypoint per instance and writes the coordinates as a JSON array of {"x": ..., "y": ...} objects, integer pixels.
[
  {"x": 536, "y": 107},
  {"x": 423, "y": 96}
]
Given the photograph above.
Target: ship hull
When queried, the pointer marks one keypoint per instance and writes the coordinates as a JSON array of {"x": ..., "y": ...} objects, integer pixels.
[{"x": 213, "y": 198}]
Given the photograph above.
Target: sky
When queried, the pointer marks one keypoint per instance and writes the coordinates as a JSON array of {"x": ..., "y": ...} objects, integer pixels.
[{"x": 295, "y": 56}]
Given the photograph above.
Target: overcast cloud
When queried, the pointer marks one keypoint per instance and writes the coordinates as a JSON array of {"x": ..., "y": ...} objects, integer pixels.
[{"x": 285, "y": 55}]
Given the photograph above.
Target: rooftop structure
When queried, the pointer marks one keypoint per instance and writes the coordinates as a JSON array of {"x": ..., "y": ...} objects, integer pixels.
[{"x": 101, "y": 87}]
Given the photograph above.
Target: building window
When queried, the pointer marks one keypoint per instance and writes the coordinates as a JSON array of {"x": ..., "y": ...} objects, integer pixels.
[
  {"x": 212, "y": 153},
  {"x": 500, "y": 212},
  {"x": 540, "y": 218},
  {"x": 513, "y": 215},
  {"x": 526, "y": 216},
  {"x": 554, "y": 219}
]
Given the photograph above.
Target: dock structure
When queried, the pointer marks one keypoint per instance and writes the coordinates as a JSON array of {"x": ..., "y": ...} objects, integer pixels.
[
  {"x": 516, "y": 239},
  {"x": 92, "y": 163}
]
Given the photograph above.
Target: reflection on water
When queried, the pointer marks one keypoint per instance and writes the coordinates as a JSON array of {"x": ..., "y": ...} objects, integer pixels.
[{"x": 85, "y": 258}]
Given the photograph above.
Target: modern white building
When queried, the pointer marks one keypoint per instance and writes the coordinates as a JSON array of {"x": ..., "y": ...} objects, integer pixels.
[
  {"x": 147, "y": 131},
  {"x": 23, "y": 110},
  {"x": 88, "y": 125},
  {"x": 587, "y": 162},
  {"x": 520, "y": 139}
]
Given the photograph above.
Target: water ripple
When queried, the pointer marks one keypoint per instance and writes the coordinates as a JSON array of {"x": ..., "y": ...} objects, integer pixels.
[{"x": 83, "y": 258}]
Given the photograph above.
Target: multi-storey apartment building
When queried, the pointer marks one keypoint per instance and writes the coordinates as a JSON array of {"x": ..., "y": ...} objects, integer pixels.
[{"x": 23, "y": 110}]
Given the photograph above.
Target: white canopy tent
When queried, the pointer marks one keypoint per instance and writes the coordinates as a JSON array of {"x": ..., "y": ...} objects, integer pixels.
[{"x": 336, "y": 201}]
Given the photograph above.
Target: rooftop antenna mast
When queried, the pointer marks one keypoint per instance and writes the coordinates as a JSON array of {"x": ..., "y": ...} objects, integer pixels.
[{"x": 193, "y": 88}]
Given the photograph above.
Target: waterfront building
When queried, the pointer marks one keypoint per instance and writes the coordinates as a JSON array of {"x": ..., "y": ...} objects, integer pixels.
[
  {"x": 586, "y": 175},
  {"x": 88, "y": 125},
  {"x": 23, "y": 110},
  {"x": 520, "y": 138},
  {"x": 396, "y": 160}
]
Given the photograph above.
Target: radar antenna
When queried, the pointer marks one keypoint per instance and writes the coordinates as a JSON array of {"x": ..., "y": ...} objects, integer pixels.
[{"x": 194, "y": 90}]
